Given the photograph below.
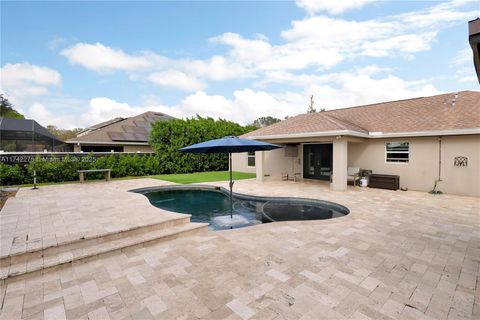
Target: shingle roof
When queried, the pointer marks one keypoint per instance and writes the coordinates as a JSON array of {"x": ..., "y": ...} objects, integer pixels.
[
  {"x": 133, "y": 129},
  {"x": 448, "y": 111}
]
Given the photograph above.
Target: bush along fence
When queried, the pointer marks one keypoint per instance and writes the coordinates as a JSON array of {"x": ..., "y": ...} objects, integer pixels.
[
  {"x": 63, "y": 169},
  {"x": 166, "y": 138},
  {"x": 27, "y": 157},
  {"x": 169, "y": 136}
]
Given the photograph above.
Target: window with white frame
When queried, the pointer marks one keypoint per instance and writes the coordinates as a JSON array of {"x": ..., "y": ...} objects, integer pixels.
[
  {"x": 251, "y": 159},
  {"x": 397, "y": 152}
]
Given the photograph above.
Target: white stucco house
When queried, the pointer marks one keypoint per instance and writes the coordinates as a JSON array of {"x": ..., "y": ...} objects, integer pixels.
[{"x": 421, "y": 140}]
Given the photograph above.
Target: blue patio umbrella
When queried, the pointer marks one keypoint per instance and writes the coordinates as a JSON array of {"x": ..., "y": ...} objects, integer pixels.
[{"x": 229, "y": 144}]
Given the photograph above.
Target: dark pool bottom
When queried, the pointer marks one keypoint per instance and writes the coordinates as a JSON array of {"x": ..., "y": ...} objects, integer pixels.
[{"x": 212, "y": 205}]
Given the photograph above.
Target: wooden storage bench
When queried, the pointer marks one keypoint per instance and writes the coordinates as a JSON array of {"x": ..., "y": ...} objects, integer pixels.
[{"x": 384, "y": 181}]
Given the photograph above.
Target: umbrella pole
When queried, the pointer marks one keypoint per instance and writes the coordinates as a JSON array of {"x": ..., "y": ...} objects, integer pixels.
[{"x": 231, "y": 184}]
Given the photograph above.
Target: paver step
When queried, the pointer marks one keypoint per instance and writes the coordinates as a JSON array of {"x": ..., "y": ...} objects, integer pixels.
[
  {"x": 30, "y": 262},
  {"x": 34, "y": 247}
]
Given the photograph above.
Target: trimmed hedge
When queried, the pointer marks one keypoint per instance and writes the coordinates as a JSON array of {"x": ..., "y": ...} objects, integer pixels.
[
  {"x": 12, "y": 174},
  {"x": 169, "y": 136},
  {"x": 166, "y": 138},
  {"x": 55, "y": 170}
]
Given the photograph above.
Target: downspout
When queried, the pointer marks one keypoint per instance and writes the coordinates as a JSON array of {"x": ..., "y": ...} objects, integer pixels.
[{"x": 439, "y": 158}]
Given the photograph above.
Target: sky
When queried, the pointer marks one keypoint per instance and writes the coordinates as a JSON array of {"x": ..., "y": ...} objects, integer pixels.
[{"x": 77, "y": 63}]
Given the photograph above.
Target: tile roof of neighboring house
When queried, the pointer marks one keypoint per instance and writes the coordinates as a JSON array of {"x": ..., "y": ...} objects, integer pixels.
[
  {"x": 448, "y": 111},
  {"x": 133, "y": 129}
]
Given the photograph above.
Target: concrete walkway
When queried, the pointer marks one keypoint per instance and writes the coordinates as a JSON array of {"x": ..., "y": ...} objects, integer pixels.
[{"x": 397, "y": 255}]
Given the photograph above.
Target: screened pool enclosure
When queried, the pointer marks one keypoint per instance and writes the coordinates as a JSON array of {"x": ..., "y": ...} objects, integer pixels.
[{"x": 22, "y": 135}]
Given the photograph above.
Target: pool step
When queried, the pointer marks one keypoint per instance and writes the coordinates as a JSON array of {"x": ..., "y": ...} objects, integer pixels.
[{"x": 35, "y": 261}]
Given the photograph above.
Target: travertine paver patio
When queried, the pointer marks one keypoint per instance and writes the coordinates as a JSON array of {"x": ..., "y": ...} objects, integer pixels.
[
  {"x": 398, "y": 255},
  {"x": 59, "y": 214}
]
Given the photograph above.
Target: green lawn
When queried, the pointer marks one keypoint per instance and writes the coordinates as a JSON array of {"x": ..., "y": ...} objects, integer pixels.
[
  {"x": 177, "y": 178},
  {"x": 199, "y": 177}
]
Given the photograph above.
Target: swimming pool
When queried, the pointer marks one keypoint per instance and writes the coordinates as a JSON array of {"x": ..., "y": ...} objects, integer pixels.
[{"x": 211, "y": 204}]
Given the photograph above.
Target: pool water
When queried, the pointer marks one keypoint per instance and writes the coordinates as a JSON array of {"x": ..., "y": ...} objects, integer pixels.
[{"x": 212, "y": 205}]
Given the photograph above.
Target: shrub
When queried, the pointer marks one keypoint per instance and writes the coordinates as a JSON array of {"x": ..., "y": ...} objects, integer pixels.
[
  {"x": 56, "y": 170},
  {"x": 169, "y": 136},
  {"x": 12, "y": 174}
]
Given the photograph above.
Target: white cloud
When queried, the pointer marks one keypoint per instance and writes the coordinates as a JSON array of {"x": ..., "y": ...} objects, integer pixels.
[
  {"x": 467, "y": 74},
  {"x": 154, "y": 67},
  {"x": 205, "y": 105},
  {"x": 464, "y": 68},
  {"x": 176, "y": 79},
  {"x": 365, "y": 85},
  {"x": 258, "y": 55},
  {"x": 26, "y": 72},
  {"x": 470, "y": 78},
  {"x": 217, "y": 68},
  {"x": 319, "y": 42},
  {"x": 336, "y": 90},
  {"x": 24, "y": 80},
  {"x": 245, "y": 106},
  {"x": 302, "y": 59},
  {"x": 402, "y": 34},
  {"x": 56, "y": 43},
  {"x": 101, "y": 58},
  {"x": 464, "y": 56},
  {"x": 334, "y": 31},
  {"x": 102, "y": 109},
  {"x": 246, "y": 51},
  {"x": 438, "y": 16},
  {"x": 38, "y": 112},
  {"x": 346, "y": 89},
  {"x": 358, "y": 89},
  {"x": 96, "y": 110},
  {"x": 42, "y": 115},
  {"x": 306, "y": 79},
  {"x": 331, "y": 6},
  {"x": 324, "y": 42},
  {"x": 409, "y": 43}
]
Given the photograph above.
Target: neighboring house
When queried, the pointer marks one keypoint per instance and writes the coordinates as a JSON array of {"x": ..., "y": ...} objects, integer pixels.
[
  {"x": 119, "y": 134},
  {"x": 24, "y": 135},
  {"x": 421, "y": 140}
]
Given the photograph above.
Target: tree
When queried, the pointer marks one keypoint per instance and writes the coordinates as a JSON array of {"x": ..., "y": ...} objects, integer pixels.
[
  {"x": 169, "y": 136},
  {"x": 265, "y": 121},
  {"x": 311, "y": 109},
  {"x": 7, "y": 110},
  {"x": 64, "y": 134}
]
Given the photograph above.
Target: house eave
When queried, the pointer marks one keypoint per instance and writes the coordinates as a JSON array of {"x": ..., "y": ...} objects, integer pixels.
[
  {"x": 455, "y": 132},
  {"x": 311, "y": 135},
  {"x": 107, "y": 143},
  {"x": 372, "y": 135}
]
